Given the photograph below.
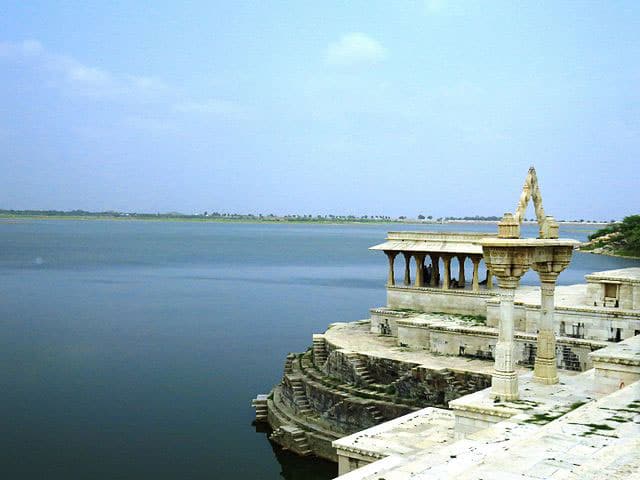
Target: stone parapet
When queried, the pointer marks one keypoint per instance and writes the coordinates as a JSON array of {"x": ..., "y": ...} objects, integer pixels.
[
  {"x": 617, "y": 365},
  {"x": 427, "y": 299}
]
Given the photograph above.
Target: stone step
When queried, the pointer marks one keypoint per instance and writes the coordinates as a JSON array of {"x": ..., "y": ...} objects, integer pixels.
[
  {"x": 375, "y": 413},
  {"x": 300, "y": 397},
  {"x": 319, "y": 350},
  {"x": 299, "y": 437},
  {"x": 262, "y": 409},
  {"x": 360, "y": 369},
  {"x": 306, "y": 373},
  {"x": 288, "y": 363}
]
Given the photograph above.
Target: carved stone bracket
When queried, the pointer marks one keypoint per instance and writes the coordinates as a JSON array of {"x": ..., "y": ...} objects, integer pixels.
[{"x": 508, "y": 262}]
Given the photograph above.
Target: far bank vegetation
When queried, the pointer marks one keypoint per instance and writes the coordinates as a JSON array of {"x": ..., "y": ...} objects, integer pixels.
[{"x": 621, "y": 239}]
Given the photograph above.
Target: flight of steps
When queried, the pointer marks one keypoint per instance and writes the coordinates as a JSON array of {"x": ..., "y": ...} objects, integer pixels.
[
  {"x": 375, "y": 414},
  {"x": 319, "y": 350},
  {"x": 288, "y": 363},
  {"x": 361, "y": 371},
  {"x": 570, "y": 360},
  {"x": 300, "y": 440},
  {"x": 291, "y": 407},
  {"x": 300, "y": 396},
  {"x": 316, "y": 377},
  {"x": 460, "y": 386},
  {"x": 260, "y": 404},
  {"x": 293, "y": 437}
]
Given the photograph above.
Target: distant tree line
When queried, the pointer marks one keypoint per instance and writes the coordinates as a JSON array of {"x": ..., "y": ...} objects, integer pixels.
[{"x": 216, "y": 215}]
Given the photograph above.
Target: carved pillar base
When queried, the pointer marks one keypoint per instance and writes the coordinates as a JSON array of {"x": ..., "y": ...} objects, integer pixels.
[
  {"x": 504, "y": 385},
  {"x": 545, "y": 371}
]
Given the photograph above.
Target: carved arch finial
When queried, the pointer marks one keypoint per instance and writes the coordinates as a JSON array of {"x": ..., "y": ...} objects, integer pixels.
[{"x": 531, "y": 191}]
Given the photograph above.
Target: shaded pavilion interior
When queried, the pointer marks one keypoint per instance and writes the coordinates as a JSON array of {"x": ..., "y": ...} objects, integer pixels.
[{"x": 437, "y": 260}]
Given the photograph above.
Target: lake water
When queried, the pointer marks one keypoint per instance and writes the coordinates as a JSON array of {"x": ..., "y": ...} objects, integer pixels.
[{"x": 133, "y": 349}]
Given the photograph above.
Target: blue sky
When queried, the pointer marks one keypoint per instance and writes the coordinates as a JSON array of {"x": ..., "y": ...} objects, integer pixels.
[{"x": 359, "y": 107}]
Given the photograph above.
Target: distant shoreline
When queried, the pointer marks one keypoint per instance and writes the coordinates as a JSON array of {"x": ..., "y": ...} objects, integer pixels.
[
  {"x": 5, "y": 218},
  {"x": 609, "y": 254}
]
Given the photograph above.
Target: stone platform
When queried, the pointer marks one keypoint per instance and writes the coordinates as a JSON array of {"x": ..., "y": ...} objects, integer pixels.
[
  {"x": 357, "y": 337},
  {"x": 576, "y": 429},
  {"x": 596, "y": 440}
]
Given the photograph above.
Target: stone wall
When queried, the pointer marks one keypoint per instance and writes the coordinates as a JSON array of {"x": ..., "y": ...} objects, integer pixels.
[
  {"x": 439, "y": 387},
  {"x": 479, "y": 342},
  {"x": 596, "y": 323},
  {"x": 340, "y": 367},
  {"x": 463, "y": 302},
  {"x": 386, "y": 371}
]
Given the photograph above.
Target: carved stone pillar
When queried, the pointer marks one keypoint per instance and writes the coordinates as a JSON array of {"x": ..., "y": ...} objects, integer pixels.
[
  {"x": 545, "y": 369},
  {"x": 548, "y": 262},
  {"x": 407, "y": 270},
  {"x": 461, "y": 279},
  {"x": 504, "y": 382},
  {"x": 489, "y": 279},
  {"x": 447, "y": 271},
  {"x": 435, "y": 272},
  {"x": 475, "y": 283},
  {"x": 419, "y": 257},
  {"x": 508, "y": 260},
  {"x": 391, "y": 256}
]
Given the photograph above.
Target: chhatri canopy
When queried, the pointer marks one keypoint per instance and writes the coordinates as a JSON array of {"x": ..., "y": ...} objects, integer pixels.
[{"x": 434, "y": 242}]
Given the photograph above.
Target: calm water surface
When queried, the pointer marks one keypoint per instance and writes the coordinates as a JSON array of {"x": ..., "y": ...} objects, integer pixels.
[{"x": 132, "y": 349}]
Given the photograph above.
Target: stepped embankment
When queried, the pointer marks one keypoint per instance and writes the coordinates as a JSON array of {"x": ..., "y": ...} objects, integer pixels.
[{"x": 351, "y": 379}]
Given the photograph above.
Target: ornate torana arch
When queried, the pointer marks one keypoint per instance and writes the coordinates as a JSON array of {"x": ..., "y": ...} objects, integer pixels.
[{"x": 531, "y": 191}]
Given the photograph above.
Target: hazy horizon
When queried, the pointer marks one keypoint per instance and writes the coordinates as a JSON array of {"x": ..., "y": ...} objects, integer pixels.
[{"x": 367, "y": 108}]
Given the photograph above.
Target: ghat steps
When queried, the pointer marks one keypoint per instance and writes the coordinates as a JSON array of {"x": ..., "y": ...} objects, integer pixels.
[
  {"x": 330, "y": 391},
  {"x": 319, "y": 350},
  {"x": 260, "y": 404},
  {"x": 297, "y": 439}
]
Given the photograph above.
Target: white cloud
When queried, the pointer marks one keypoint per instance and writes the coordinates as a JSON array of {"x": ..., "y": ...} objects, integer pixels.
[
  {"x": 135, "y": 91},
  {"x": 77, "y": 77},
  {"x": 355, "y": 49},
  {"x": 149, "y": 84},
  {"x": 78, "y": 74}
]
